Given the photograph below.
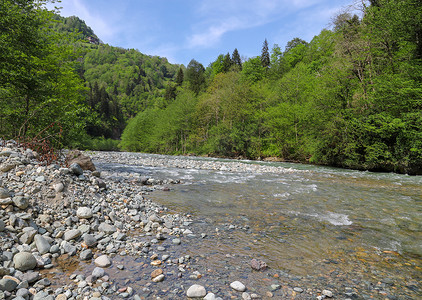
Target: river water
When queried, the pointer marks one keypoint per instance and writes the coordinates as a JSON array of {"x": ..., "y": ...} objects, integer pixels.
[{"x": 360, "y": 230}]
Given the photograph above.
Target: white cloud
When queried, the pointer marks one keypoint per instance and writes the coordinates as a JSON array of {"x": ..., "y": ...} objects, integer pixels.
[
  {"x": 218, "y": 17},
  {"x": 214, "y": 33},
  {"x": 97, "y": 22}
]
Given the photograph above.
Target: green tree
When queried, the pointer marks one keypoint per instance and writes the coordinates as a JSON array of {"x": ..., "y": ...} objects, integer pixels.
[
  {"x": 265, "y": 55},
  {"x": 37, "y": 78},
  {"x": 179, "y": 77},
  {"x": 253, "y": 70},
  {"x": 195, "y": 76},
  {"x": 237, "y": 61},
  {"x": 227, "y": 63}
]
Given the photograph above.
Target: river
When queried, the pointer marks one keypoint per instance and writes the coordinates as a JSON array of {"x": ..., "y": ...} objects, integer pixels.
[{"x": 359, "y": 233}]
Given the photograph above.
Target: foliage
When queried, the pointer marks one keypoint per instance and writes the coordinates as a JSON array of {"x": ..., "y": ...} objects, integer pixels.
[
  {"x": 38, "y": 84},
  {"x": 351, "y": 97}
]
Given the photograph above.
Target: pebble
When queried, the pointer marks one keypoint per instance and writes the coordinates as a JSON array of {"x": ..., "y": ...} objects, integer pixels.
[
  {"x": 238, "y": 286},
  {"x": 72, "y": 234},
  {"x": 196, "y": 291},
  {"x": 84, "y": 213},
  {"x": 24, "y": 261},
  {"x": 102, "y": 261},
  {"x": 327, "y": 293},
  {"x": 43, "y": 246}
]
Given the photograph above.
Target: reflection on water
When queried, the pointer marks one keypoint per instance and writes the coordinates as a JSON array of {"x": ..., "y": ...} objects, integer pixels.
[{"x": 365, "y": 224}]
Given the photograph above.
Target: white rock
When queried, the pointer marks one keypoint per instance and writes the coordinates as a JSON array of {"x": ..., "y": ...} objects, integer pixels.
[
  {"x": 58, "y": 187},
  {"x": 327, "y": 293},
  {"x": 246, "y": 296},
  {"x": 238, "y": 286},
  {"x": 210, "y": 296},
  {"x": 159, "y": 278},
  {"x": 196, "y": 291},
  {"x": 84, "y": 213},
  {"x": 102, "y": 261}
]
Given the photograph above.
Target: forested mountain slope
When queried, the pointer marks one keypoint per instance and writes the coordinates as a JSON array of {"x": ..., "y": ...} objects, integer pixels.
[{"x": 350, "y": 97}]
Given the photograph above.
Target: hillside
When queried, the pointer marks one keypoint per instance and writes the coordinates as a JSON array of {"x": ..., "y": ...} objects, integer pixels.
[
  {"x": 121, "y": 82},
  {"x": 351, "y": 97}
]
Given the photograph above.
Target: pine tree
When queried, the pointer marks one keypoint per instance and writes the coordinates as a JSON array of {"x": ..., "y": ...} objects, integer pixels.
[
  {"x": 237, "y": 61},
  {"x": 227, "y": 63},
  {"x": 179, "y": 77},
  {"x": 265, "y": 55}
]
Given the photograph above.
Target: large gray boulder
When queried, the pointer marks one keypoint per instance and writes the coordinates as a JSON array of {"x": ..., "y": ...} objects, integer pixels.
[{"x": 24, "y": 261}]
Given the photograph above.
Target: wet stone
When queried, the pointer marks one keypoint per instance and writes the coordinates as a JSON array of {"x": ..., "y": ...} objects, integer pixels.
[
  {"x": 102, "y": 261},
  {"x": 196, "y": 291},
  {"x": 238, "y": 286}
]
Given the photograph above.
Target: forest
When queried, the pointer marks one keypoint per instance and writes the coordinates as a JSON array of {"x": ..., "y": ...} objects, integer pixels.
[{"x": 351, "y": 97}]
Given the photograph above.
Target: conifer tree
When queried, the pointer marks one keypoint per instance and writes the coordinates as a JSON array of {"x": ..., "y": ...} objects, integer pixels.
[
  {"x": 236, "y": 59},
  {"x": 265, "y": 55},
  {"x": 227, "y": 63},
  {"x": 179, "y": 77}
]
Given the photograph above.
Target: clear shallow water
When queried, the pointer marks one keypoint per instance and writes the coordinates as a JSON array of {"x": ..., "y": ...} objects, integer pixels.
[{"x": 363, "y": 225}]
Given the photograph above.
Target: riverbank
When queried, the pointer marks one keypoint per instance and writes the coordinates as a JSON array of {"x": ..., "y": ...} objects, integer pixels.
[{"x": 67, "y": 233}]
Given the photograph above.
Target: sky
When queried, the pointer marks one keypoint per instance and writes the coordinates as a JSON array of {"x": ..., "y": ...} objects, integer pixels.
[{"x": 181, "y": 30}]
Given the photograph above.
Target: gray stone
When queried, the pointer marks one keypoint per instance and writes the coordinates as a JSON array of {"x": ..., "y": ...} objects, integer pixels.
[
  {"x": 28, "y": 236},
  {"x": 8, "y": 284},
  {"x": 22, "y": 292},
  {"x": 84, "y": 213},
  {"x": 4, "y": 193},
  {"x": 72, "y": 234},
  {"x": 6, "y": 201},
  {"x": 6, "y": 167},
  {"x": 196, "y": 291},
  {"x": 2, "y": 225},
  {"x": 90, "y": 240},
  {"x": 101, "y": 184},
  {"x": 69, "y": 248},
  {"x": 30, "y": 277},
  {"x": 107, "y": 228},
  {"x": 21, "y": 202},
  {"x": 43, "y": 246},
  {"x": 238, "y": 286},
  {"x": 40, "y": 178},
  {"x": 85, "y": 254},
  {"x": 102, "y": 261},
  {"x": 76, "y": 169},
  {"x": 43, "y": 296},
  {"x": 6, "y": 152},
  {"x": 55, "y": 249},
  {"x": 98, "y": 272},
  {"x": 24, "y": 261}
]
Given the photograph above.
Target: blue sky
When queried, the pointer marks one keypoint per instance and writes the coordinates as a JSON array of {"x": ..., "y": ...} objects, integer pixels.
[{"x": 182, "y": 30}]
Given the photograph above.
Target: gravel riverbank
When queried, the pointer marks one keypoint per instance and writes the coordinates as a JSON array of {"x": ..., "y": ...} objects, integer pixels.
[{"x": 122, "y": 244}]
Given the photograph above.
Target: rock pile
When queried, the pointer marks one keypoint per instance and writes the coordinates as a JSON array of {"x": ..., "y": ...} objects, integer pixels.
[
  {"x": 48, "y": 212},
  {"x": 57, "y": 212}
]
